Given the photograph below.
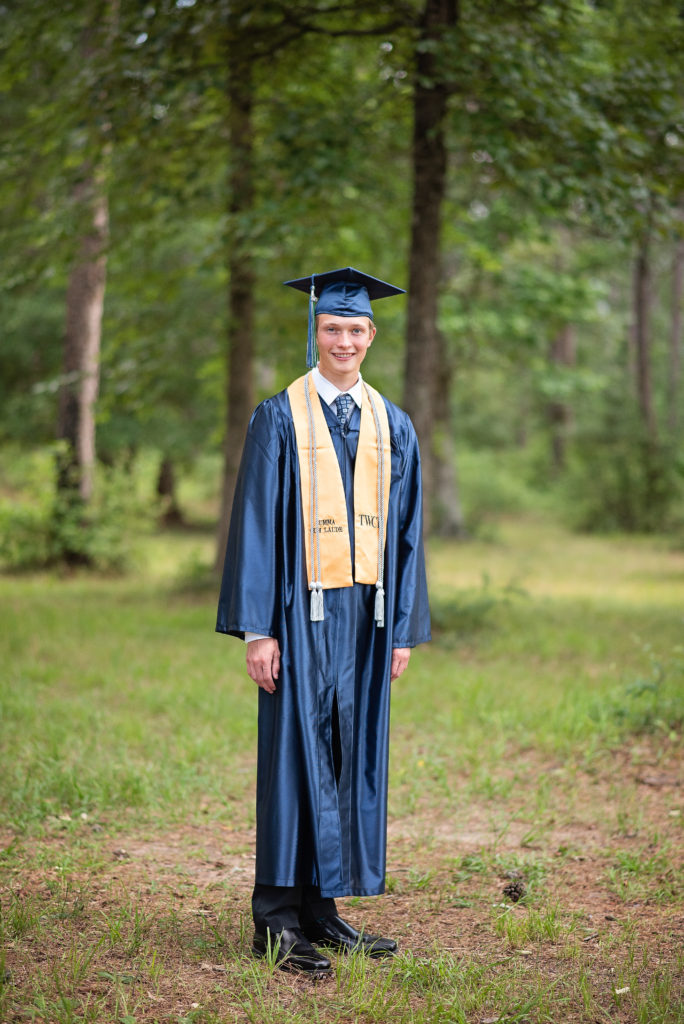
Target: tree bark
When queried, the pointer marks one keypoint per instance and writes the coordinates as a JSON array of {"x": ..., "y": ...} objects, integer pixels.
[
  {"x": 430, "y": 96},
  {"x": 240, "y": 332},
  {"x": 166, "y": 490},
  {"x": 447, "y": 512},
  {"x": 85, "y": 292},
  {"x": 675, "y": 353},
  {"x": 560, "y": 413},
  {"x": 84, "y": 306},
  {"x": 643, "y": 301}
]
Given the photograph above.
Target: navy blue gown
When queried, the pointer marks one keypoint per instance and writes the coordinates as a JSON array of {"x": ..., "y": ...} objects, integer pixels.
[{"x": 312, "y": 829}]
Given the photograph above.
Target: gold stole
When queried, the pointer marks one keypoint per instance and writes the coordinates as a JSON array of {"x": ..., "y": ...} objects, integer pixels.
[{"x": 326, "y": 531}]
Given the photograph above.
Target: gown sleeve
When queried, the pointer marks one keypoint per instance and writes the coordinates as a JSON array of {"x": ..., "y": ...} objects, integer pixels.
[
  {"x": 412, "y": 612},
  {"x": 249, "y": 585}
]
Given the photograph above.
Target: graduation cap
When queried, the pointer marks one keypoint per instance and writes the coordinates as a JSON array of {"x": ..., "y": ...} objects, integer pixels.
[{"x": 345, "y": 292}]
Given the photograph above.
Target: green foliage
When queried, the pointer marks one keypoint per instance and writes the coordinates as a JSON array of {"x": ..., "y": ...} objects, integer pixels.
[
  {"x": 652, "y": 703},
  {"x": 30, "y": 364},
  {"x": 162, "y": 379},
  {"x": 47, "y": 529},
  {"x": 495, "y": 484},
  {"x": 564, "y": 137},
  {"x": 622, "y": 479},
  {"x": 572, "y": 106},
  {"x": 468, "y": 611}
]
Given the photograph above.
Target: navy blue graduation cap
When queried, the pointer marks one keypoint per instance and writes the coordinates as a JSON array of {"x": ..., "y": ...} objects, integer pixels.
[{"x": 345, "y": 292}]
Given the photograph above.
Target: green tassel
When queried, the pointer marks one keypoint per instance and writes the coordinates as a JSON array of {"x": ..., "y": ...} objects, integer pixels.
[{"x": 311, "y": 346}]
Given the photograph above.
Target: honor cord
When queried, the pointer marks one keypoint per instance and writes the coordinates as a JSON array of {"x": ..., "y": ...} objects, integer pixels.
[
  {"x": 379, "y": 586},
  {"x": 317, "y": 613}
]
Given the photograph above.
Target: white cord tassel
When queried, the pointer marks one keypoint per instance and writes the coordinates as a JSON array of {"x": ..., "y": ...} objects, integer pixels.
[
  {"x": 317, "y": 612},
  {"x": 379, "y": 586},
  {"x": 379, "y": 604}
]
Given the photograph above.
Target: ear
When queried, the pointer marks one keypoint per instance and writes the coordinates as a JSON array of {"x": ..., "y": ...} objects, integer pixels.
[{"x": 373, "y": 330}]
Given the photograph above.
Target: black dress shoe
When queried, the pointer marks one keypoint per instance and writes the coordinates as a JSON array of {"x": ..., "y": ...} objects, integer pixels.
[
  {"x": 333, "y": 931},
  {"x": 293, "y": 952}
]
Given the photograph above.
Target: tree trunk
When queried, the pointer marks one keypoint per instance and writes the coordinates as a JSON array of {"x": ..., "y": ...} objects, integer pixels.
[
  {"x": 240, "y": 350},
  {"x": 78, "y": 394},
  {"x": 675, "y": 354},
  {"x": 85, "y": 293},
  {"x": 429, "y": 156},
  {"x": 643, "y": 301},
  {"x": 166, "y": 490},
  {"x": 560, "y": 413},
  {"x": 447, "y": 513}
]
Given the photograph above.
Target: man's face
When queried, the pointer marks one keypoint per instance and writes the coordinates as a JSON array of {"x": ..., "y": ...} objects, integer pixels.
[{"x": 342, "y": 345}]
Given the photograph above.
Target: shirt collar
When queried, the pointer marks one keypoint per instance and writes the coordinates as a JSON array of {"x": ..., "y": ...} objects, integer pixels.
[{"x": 329, "y": 392}]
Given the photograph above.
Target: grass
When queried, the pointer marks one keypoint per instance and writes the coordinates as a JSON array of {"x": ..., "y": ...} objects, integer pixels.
[{"x": 537, "y": 737}]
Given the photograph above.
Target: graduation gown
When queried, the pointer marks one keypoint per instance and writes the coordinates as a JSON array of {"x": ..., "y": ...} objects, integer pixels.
[{"x": 312, "y": 828}]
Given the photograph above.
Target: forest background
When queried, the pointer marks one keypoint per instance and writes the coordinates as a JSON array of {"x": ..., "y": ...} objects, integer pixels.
[{"x": 517, "y": 166}]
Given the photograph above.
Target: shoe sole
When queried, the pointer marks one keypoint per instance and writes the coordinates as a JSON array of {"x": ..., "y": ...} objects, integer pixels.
[
  {"x": 289, "y": 965},
  {"x": 376, "y": 954}
]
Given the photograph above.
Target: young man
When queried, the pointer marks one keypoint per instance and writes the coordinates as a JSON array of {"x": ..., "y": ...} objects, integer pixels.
[{"x": 325, "y": 579}]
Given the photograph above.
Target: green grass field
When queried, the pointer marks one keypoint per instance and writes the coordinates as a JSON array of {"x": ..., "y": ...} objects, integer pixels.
[{"x": 537, "y": 739}]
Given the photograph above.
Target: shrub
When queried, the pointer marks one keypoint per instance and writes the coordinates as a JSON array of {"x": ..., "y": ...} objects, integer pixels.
[
  {"x": 650, "y": 703},
  {"x": 492, "y": 485},
  {"x": 469, "y": 610},
  {"x": 622, "y": 479},
  {"x": 47, "y": 529}
]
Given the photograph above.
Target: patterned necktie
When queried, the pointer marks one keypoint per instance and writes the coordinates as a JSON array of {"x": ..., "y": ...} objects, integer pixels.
[{"x": 343, "y": 404}]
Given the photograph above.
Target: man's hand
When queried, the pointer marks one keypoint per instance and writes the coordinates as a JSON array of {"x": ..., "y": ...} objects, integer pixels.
[
  {"x": 263, "y": 662},
  {"x": 400, "y": 659}
]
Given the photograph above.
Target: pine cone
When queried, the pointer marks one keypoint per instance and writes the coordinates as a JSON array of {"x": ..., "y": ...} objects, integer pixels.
[{"x": 515, "y": 890}]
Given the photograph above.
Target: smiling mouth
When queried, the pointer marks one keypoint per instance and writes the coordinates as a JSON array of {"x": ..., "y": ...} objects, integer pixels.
[{"x": 342, "y": 355}]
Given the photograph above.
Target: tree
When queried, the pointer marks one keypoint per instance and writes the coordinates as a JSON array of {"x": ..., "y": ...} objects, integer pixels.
[
  {"x": 423, "y": 366},
  {"x": 80, "y": 161},
  {"x": 240, "y": 56},
  {"x": 251, "y": 40},
  {"x": 643, "y": 303},
  {"x": 675, "y": 347},
  {"x": 82, "y": 337}
]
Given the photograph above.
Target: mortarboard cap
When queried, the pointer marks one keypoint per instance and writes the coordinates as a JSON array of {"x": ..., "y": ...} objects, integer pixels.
[{"x": 345, "y": 292}]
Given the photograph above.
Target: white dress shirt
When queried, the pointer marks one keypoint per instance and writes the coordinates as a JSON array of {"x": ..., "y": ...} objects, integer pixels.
[{"x": 328, "y": 393}]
